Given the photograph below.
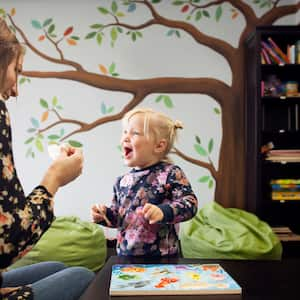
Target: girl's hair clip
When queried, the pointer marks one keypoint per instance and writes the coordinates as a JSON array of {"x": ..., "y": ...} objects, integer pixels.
[{"x": 178, "y": 124}]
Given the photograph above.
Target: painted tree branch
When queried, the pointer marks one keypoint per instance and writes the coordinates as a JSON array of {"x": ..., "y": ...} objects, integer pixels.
[
  {"x": 209, "y": 86},
  {"x": 208, "y": 166},
  {"x": 269, "y": 18},
  {"x": 43, "y": 55}
]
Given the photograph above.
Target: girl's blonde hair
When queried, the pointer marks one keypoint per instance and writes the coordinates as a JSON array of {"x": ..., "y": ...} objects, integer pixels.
[
  {"x": 10, "y": 48},
  {"x": 158, "y": 124}
]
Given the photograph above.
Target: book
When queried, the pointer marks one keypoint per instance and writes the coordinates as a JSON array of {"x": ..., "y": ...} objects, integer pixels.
[
  {"x": 278, "y": 50},
  {"x": 171, "y": 279},
  {"x": 265, "y": 55},
  {"x": 272, "y": 53}
]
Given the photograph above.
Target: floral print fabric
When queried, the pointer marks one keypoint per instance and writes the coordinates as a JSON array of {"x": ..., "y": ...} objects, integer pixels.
[
  {"x": 164, "y": 185},
  {"x": 22, "y": 219}
]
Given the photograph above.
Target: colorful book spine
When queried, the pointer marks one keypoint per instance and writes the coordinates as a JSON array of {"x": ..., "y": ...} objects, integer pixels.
[
  {"x": 278, "y": 50},
  {"x": 291, "y": 54},
  {"x": 272, "y": 53},
  {"x": 265, "y": 54}
]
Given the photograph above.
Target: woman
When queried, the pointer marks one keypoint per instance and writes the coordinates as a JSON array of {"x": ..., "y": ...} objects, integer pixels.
[{"x": 24, "y": 219}]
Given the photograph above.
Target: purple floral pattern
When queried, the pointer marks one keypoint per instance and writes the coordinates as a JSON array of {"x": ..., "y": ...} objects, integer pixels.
[{"x": 164, "y": 185}]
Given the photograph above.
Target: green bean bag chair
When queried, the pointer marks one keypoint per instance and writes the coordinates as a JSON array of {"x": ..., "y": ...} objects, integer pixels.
[
  {"x": 228, "y": 233},
  {"x": 71, "y": 241}
]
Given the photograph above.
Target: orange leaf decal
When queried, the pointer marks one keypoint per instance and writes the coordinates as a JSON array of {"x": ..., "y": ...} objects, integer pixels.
[
  {"x": 103, "y": 69},
  {"x": 41, "y": 38},
  {"x": 13, "y": 12},
  {"x": 68, "y": 31},
  {"x": 71, "y": 42},
  {"x": 234, "y": 15},
  {"x": 45, "y": 116}
]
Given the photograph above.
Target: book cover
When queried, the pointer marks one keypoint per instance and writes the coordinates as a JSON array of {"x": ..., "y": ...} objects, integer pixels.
[{"x": 171, "y": 279}]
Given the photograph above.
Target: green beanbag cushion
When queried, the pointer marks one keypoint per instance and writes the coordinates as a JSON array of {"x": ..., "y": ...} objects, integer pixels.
[
  {"x": 71, "y": 241},
  {"x": 228, "y": 233}
]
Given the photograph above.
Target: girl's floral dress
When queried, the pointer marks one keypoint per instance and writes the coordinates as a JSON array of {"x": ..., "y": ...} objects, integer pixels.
[
  {"x": 22, "y": 219},
  {"x": 164, "y": 185}
]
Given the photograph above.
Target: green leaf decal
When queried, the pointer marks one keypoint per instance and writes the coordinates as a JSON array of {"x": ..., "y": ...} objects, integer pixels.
[
  {"x": 28, "y": 152},
  {"x": 133, "y": 36},
  {"x": 44, "y": 103},
  {"x": 198, "y": 15},
  {"x": 91, "y": 35},
  {"x": 74, "y": 37},
  {"x": 22, "y": 80},
  {"x": 178, "y": 2},
  {"x": 114, "y": 34},
  {"x": 39, "y": 145},
  {"x": 28, "y": 141},
  {"x": 219, "y": 12},
  {"x": 210, "y": 183},
  {"x": 51, "y": 28},
  {"x": 159, "y": 98},
  {"x": 54, "y": 101},
  {"x": 47, "y": 22},
  {"x": 53, "y": 137},
  {"x": 110, "y": 110},
  {"x": 36, "y": 24},
  {"x": 112, "y": 68},
  {"x": 210, "y": 145},
  {"x": 75, "y": 144},
  {"x": 168, "y": 102},
  {"x": 203, "y": 179},
  {"x": 200, "y": 150},
  {"x": 114, "y": 7},
  {"x": 96, "y": 26},
  {"x": 99, "y": 38},
  {"x": 217, "y": 111},
  {"x": 206, "y": 13},
  {"x": 103, "y": 10},
  {"x": 198, "y": 140}
]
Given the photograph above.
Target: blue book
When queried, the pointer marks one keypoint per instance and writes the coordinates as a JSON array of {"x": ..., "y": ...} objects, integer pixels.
[{"x": 171, "y": 279}]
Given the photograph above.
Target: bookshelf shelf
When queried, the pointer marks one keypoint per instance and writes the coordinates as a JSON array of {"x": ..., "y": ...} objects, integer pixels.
[{"x": 272, "y": 114}]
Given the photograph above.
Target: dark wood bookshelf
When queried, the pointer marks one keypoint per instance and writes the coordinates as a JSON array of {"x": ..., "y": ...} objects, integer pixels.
[{"x": 272, "y": 117}]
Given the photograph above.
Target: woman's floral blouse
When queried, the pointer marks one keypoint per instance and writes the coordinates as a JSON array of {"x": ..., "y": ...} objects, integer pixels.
[
  {"x": 22, "y": 219},
  {"x": 164, "y": 185}
]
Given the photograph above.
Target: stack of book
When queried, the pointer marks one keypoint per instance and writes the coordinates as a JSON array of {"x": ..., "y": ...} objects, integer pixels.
[
  {"x": 271, "y": 53},
  {"x": 284, "y": 155},
  {"x": 285, "y": 189}
]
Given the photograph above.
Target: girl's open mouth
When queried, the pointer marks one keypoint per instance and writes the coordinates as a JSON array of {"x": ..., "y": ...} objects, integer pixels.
[{"x": 127, "y": 151}]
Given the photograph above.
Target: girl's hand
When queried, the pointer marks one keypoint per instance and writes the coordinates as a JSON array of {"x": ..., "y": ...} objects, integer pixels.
[
  {"x": 152, "y": 213},
  {"x": 98, "y": 214}
]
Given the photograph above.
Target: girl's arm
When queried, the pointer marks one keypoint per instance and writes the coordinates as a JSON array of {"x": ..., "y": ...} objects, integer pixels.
[{"x": 183, "y": 205}]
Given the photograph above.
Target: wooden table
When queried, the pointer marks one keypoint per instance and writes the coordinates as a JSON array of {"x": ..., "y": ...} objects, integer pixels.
[{"x": 264, "y": 280}]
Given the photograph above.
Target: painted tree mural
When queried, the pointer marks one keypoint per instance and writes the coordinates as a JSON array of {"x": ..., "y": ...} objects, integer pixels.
[{"x": 229, "y": 97}]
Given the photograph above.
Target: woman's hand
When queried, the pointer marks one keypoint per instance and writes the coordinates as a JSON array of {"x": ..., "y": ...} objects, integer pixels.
[{"x": 64, "y": 169}]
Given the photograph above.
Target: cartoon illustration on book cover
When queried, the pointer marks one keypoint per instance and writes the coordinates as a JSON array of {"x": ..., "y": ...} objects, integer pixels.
[{"x": 168, "y": 279}]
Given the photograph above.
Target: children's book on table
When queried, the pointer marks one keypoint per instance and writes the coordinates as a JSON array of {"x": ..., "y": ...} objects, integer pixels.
[{"x": 171, "y": 279}]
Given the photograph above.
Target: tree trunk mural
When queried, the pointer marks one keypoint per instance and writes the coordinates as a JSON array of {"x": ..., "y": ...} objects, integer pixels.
[{"x": 230, "y": 97}]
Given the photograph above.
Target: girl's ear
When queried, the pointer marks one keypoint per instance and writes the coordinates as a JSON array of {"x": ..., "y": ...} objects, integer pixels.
[{"x": 160, "y": 146}]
